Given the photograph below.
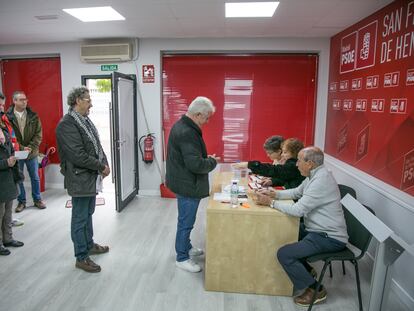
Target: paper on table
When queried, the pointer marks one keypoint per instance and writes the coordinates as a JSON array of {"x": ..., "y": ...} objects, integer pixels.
[
  {"x": 21, "y": 155},
  {"x": 225, "y": 197}
]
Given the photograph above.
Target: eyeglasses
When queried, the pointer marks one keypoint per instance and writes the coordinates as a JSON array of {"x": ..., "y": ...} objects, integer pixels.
[
  {"x": 23, "y": 99},
  {"x": 87, "y": 99}
]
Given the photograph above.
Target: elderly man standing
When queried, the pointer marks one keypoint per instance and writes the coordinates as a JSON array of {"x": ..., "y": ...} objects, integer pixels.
[
  {"x": 84, "y": 165},
  {"x": 324, "y": 227},
  {"x": 28, "y": 129},
  {"x": 188, "y": 166}
]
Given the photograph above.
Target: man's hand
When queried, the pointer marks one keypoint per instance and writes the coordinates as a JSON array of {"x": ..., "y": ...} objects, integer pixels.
[
  {"x": 27, "y": 149},
  {"x": 11, "y": 161},
  {"x": 214, "y": 157},
  {"x": 106, "y": 171},
  {"x": 262, "y": 199},
  {"x": 270, "y": 192}
]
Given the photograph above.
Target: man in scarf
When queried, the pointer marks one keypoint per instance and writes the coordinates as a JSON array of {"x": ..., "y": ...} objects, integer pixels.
[{"x": 83, "y": 165}]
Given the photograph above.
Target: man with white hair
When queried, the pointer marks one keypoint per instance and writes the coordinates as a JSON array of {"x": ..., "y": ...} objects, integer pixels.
[
  {"x": 187, "y": 171},
  {"x": 323, "y": 229}
]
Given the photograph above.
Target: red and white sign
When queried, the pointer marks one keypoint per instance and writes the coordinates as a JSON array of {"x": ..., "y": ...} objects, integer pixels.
[
  {"x": 407, "y": 180},
  {"x": 367, "y": 40},
  {"x": 392, "y": 79},
  {"x": 148, "y": 74},
  {"x": 362, "y": 143},
  {"x": 356, "y": 84},
  {"x": 372, "y": 82},
  {"x": 336, "y": 104},
  {"x": 398, "y": 105},
  {"x": 410, "y": 77},
  {"x": 348, "y": 51},
  {"x": 380, "y": 50},
  {"x": 348, "y": 104},
  {"x": 343, "y": 85},
  {"x": 361, "y": 105},
  {"x": 377, "y": 105},
  {"x": 333, "y": 86}
]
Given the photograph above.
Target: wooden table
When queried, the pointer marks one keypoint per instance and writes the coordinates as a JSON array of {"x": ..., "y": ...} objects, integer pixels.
[{"x": 241, "y": 245}]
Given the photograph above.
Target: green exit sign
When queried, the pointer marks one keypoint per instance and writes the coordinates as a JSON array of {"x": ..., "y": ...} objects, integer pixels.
[{"x": 109, "y": 67}]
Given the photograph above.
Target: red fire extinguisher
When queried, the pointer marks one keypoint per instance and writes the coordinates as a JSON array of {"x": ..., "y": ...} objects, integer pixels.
[{"x": 148, "y": 153}]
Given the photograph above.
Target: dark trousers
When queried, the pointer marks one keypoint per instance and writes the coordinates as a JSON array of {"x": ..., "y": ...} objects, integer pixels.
[
  {"x": 81, "y": 225},
  {"x": 187, "y": 211},
  {"x": 293, "y": 256}
]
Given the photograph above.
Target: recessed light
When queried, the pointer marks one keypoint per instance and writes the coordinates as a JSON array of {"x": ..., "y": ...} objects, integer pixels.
[
  {"x": 251, "y": 9},
  {"x": 95, "y": 14}
]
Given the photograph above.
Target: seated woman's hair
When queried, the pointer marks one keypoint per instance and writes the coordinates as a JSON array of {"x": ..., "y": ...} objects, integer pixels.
[
  {"x": 293, "y": 145},
  {"x": 273, "y": 143}
]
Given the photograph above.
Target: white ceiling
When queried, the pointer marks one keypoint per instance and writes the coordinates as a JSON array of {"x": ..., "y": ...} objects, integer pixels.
[{"x": 177, "y": 19}]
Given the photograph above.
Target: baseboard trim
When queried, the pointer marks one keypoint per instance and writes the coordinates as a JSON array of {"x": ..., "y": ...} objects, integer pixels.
[{"x": 150, "y": 193}]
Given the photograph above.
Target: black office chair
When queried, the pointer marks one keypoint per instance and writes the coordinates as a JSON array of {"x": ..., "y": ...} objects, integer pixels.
[
  {"x": 344, "y": 190},
  {"x": 359, "y": 237}
]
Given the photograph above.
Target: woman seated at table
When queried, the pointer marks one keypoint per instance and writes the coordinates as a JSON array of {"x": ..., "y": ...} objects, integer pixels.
[{"x": 286, "y": 174}]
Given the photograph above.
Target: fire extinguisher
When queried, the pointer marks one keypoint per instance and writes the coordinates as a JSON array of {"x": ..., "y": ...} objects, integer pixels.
[{"x": 148, "y": 153}]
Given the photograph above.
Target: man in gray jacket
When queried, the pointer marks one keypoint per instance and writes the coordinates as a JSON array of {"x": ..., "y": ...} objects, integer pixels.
[
  {"x": 188, "y": 166},
  {"x": 323, "y": 229},
  {"x": 83, "y": 164}
]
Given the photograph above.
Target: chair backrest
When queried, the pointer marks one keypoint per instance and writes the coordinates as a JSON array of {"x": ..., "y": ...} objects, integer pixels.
[
  {"x": 344, "y": 190},
  {"x": 359, "y": 236}
]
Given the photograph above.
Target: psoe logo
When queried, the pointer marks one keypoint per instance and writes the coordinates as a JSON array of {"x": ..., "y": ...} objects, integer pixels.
[{"x": 348, "y": 53}]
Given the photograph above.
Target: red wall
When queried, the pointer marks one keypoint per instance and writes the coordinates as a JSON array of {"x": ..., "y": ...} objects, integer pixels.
[
  {"x": 40, "y": 80},
  {"x": 370, "y": 117},
  {"x": 256, "y": 96}
]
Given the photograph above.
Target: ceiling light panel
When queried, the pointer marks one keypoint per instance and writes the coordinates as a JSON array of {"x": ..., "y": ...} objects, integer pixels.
[
  {"x": 251, "y": 9},
  {"x": 95, "y": 14}
]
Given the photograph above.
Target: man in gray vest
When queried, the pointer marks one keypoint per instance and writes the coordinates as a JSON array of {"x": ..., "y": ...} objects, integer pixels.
[{"x": 323, "y": 229}]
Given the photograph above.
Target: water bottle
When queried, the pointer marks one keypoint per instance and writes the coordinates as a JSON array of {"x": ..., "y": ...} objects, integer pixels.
[{"x": 234, "y": 194}]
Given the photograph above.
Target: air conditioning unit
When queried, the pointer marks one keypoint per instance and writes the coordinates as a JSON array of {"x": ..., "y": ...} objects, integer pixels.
[{"x": 106, "y": 52}]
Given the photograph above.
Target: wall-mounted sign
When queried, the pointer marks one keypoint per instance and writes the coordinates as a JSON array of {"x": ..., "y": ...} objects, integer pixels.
[
  {"x": 148, "y": 74},
  {"x": 110, "y": 67},
  {"x": 370, "y": 117}
]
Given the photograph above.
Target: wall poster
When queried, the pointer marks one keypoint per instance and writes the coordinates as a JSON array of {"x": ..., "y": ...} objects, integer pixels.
[{"x": 370, "y": 114}]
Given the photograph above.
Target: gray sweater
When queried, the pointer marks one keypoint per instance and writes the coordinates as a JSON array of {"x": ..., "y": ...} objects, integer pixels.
[{"x": 318, "y": 202}]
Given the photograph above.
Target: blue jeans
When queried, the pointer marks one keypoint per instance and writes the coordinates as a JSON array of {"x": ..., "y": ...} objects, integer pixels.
[
  {"x": 187, "y": 211},
  {"x": 293, "y": 256},
  {"x": 81, "y": 226},
  {"x": 32, "y": 167}
]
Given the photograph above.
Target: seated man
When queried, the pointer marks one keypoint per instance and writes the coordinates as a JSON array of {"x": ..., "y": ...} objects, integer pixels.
[{"x": 324, "y": 228}]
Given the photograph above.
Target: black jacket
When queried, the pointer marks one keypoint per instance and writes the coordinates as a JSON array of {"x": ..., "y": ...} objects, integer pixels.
[
  {"x": 286, "y": 175},
  {"x": 79, "y": 162},
  {"x": 32, "y": 131},
  {"x": 187, "y": 162},
  {"x": 8, "y": 188}
]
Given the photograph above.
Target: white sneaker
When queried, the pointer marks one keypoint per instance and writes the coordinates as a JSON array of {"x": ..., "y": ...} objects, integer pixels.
[
  {"x": 194, "y": 252},
  {"x": 188, "y": 265},
  {"x": 17, "y": 222}
]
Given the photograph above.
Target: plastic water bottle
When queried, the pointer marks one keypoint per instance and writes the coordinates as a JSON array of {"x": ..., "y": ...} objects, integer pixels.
[{"x": 234, "y": 194}]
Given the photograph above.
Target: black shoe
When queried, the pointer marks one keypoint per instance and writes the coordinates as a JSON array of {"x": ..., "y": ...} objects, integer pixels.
[
  {"x": 4, "y": 251},
  {"x": 13, "y": 243}
]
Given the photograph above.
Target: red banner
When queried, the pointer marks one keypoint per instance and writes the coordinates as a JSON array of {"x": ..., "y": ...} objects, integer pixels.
[{"x": 370, "y": 117}]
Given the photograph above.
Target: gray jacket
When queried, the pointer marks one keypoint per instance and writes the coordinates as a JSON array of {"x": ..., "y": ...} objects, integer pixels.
[
  {"x": 79, "y": 163},
  {"x": 318, "y": 202}
]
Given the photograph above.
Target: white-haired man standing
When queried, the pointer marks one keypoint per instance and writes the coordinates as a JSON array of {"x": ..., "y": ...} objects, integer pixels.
[{"x": 188, "y": 166}]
